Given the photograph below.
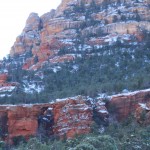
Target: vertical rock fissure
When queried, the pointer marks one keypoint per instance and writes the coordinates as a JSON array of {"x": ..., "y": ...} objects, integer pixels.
[
  {"x": 3, "y": 126},
  {"x": 46, "y": 122}
]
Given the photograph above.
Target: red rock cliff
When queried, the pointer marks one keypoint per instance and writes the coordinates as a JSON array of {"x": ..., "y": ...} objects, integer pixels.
[
  {"x": 70, "y": 117},
  {"x": 45, "y": 36},
  {"x": 123, "y": 105},
  {"x": 142, "y": 113}
]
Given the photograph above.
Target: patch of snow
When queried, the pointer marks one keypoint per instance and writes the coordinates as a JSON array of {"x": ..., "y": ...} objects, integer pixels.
[
  {"x": 82, "y": 18},
  {"x": 144, "y": 106},
  {"x": 117, "y": 64},
  {"x": 59, "y": 100},
  {"x": 7, "y": 88},
  {"x": 27, "y": 105},
  {"x": 32, "y": 87},
  {"x": 4, "y": 71},
  {"x": 125, "y": 91},
  {"x": 74, "y": 55},
  {"x": 75, "y": 67},
  {"x": 103, "y": 111},
  {"x": 67, "y": 41},
  {"x": 130, "y": 93},
  {"x": 85, "y": 48},
  {"x": 50, "y": 108},
  {"x": 101, "y": 130},
  {"x": 84, "y": 117},
  {"x": 73, "y": 98},
  {"x": 3, "y": 95},
  {"x": 52, "y": 102},
  {"x": 100, "y": 103},
  {"x": 64, "y": 129},
  {"x": 45, "y": 119},
  {"x": 56, "y": 69},
  {"x": 101, "y": 96}
]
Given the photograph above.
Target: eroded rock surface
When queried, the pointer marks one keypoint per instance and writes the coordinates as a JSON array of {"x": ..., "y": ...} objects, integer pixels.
[
  {"x": 63, "y": 119},
  {"x": 71, "y": 116},
  {"x": 124, "y": 105},
  {"x": 6, "y": 86},
  {"x": 142, "y": 113},
  {"x": 78, "y": 25}
]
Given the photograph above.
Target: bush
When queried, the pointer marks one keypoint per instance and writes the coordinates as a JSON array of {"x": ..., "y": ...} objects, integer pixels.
[
  {"x": 33, "y": 144},
  {"x": 2, "y": 144},
  {"x": 19, "y": 139},
  {"x": 103, "y": 142},
  {"x": 84, "y": 146}
]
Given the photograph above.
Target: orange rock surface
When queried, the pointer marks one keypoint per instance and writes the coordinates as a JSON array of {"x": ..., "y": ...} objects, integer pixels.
[
  {"x": 124, "y": 105},
  {"x": 142, "y": 113},
  {"x": 3, "y": 78},
  {"x": 71, "y": 116},
  {"x": 63, "y": 58},
  {"x": 5, "y": 85},
  {"x": 61, "y": 28}
]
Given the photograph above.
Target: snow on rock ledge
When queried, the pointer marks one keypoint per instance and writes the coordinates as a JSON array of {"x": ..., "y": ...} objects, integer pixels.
[
  {"x": 123, "y": 105},
  {"x": 71, "y": 117},
  {"x": 142, "y": 113}
]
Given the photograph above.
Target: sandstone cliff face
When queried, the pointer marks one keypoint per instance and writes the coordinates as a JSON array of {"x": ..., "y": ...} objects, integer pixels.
[
  {"x": 128, "y": 27},
  {"x": 32, "y": 23},
  {"x": 66, "y": 4},
  {"x": 74, "y": 21},
  {"x": 3, "y": 122},
  {"x": 6, "y": 86},
  {"x": 68, "y": 117},
  {"x": 23, "y": 123},
  {"x": 142, "y": 113},
  {"x": 3, "y": 78},
  {"x": 72, "y": 116},
  {"x": 29, "y": 36},
  {"x": 124, "y": 105}
]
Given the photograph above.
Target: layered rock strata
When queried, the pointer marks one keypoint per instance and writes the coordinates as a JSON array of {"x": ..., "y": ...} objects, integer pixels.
[
  {"x": 142, "y": 113},
  {"x": 124, "y": 105},
  {"x": 64, "y": 119},
  {"x": 72, "y": 116},
  {"x": 74, "y": 23}
]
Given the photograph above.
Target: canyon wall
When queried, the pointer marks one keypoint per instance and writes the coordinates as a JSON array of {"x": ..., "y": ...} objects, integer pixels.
[
  {"x": 125, "y": 105},
  {"x": 43, "y": 37},
  {"x": 72, "y": 116},
  {"x": 63, "y": 119}
]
